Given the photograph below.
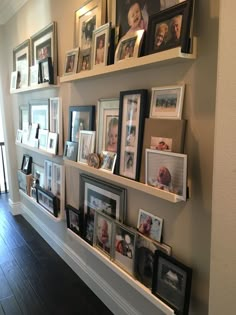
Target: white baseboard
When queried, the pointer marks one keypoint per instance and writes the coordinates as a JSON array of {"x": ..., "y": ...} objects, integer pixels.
[
  {"x": 116, "y": 303},
  {"x": 15, "y": 207}
]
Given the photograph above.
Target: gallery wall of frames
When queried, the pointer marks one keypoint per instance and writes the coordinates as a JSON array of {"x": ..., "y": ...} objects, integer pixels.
[{"x": 128, "y": 141}]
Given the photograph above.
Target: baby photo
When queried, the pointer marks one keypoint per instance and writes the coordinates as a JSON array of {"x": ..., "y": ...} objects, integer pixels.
[
  {"x": 163, "y": 144},
  {"x": 103, "y": 233},
  {"x": 111, "y": 136},
  {"x": 150, "y": 225}
]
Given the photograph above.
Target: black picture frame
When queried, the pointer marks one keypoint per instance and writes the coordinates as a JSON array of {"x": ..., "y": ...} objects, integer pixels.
[
  {"x": 48, "y": 200},
  {"x": 132, "y": 113},
  {"x": 46, "y": 71},
  {"x": 74, "y": 218},
  {"x": 172, "y": 282},
  {"x": 70, "y": 151},
  {"x": 26, "y": 165},
  {"x": 181, "y": 13},
  {"x": 80, "y": 118}
]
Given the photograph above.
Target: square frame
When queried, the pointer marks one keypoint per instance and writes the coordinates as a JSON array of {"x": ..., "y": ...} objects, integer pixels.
[
  {"x": 70, "y": 151},
  {"x": 100, "y": 54},
  {"x": 132, "y": 113},
  {"x": 86, "y": 145},
  {"x": 26, "y": 166},
  {"x": 74, "y": 220},
  {"x": 167, "y": 102},
  {"x": 21, "y": 62},
  {"x": 39, "y": 113},
  {"x": 150, "y": 225},
  {"x": 172, "y": 282},
  {"x": 71, "y": 61}
]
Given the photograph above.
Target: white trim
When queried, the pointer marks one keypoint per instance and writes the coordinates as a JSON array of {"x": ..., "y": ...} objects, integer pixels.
[{"x": 15, "y": 207}]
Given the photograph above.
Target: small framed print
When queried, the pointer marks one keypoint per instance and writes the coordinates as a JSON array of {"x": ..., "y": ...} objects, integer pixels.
[
  {"x": 107, "y": 125},
  {"x": 129, "y": 46},
  {"x": 48, "y": 175},
  {"x": 38, "y": 173},
  {"x": 172, "y": 282},
  {"x": 21, "y": 63},
  {"x": 24, "y": 117},
  {"x": 74, "y": 219},
  {"x": 71, "y": 61},
  {"x": 43, "y": 139},
  {"x": 167, "y": 171},
  {"x": 85, "y": 60},
  {"x": 167, "y": 102},
  {"x": 101, "y": 38},
  {"x": 39, "y": 113},
  {"x": 47, "y": 200},
  {"x": 19, "y": 135},
  {"x": 14, "y": 81},
  {"x": 124, "y": 246},
  {"x": 149, "y": 225},
  {"x": 56, "y": 121},
  {"x": 46, "y": 70},
  {"x": 26, "y": 165},
  {"x": 132, "y": 113},
  {"x": 70, "y": 151},
  {"x": 34, "y": 75},
  {"x": 103, "y": 233},
  {"x": 86, "y": 145},
  {"x": 52, "y": 143},
  {"x": 33, "y": 134},
  {"x": 108, "y": 161}
]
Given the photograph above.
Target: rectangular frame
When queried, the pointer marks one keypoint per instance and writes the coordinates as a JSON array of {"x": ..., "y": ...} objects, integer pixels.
[
  {"x": 132, "y": 112},
  {"x": 71, "y": 61},
  {"x": 172, "y": 282},
  {"x": 26, "y": 165},
  {"x": 46, "y": 71},
  {"x": 24, "y": 181},
  {"x": 24, "y": 117},
  {"x": 21, "y": 62},
  {"x": 70, "y": 151},
  {"x": 19, "y": 135},
  {"x": 74, "y": 220},
  {"x": 38, "y": 173},
  {"x": 150, "y": 225},
  {"x": 86, "y": 145},
  {"x": 47, "y": 200},
  {"x": 168, "y": 172},
  {"x": 48, "y": 175},
  {"x": 34, "y": 75},
  {"x": 43, "y": 139},
  {"x": 108, "y": 161},
  {"x": 14, "y": 81},
  {"x": 56, "y": 120},
  {"x": 39, "y": 113},
  {"x": 58, "y": 183},
  {"x": 32, "y": 135},
  {"x": 85, "y": 60},
  {"x": 101, "y": 37},
  {"x": 52, "y": 143}
]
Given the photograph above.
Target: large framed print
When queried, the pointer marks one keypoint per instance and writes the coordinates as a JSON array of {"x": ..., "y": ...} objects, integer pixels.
[
  {"x": 86, "y": 145},
  {"x": 132, "y": 113},
  {"x": 167, "y": 171},
  {"x": 101, "y": 41},
  {"x": 80, "y": 118},
  {"x": 39, "y": 113},
  {"x": 21, "y": 63},
  {"x": 87, "y": 18},
  {"x": 103, "y": 233},
  {"x": 56, "y": 121},
  {"x": 101, "y": 196},
  {"x": 172, "y": 282},
  {"x": 107, "y": 124},
  {"x": 43, "y": 45}
]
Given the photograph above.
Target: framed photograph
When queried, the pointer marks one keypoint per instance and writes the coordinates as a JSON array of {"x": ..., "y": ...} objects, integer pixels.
[
  {"x": 38, "y": 173},
  {"x": 85, "y": 59},
  {"x": 46, "y": 70},
  {"x": 19, "y": 135},
  {"x": 129, "y": 46},
  {"x": 107, "y": 125},
  {"x": 43, "y": 139},
  {"x": 87, "y": 18},
  {"x": 52, "y": 143},
  {"x": 162, "y": 144},
  {"x": 25, "y": 135},
  {"x": 71, "y": 61},
  {"x": 21, "y": 57},
  {"x": 26, "y": 165},
  {"x": 132, "y": 113},
  {"x": 24, "y": 117},
  {"x": 101, "y": 41},
  {"x": 149, "y": 225},
  {"x": 48, "y": 175},
  {"x": 58, "y": 183},
  {"x": 145, "y": 249},
  {"x": 86, "y": 145},
  {"x": 172, "y": 282},
  {"x": 34, "y": 75},
  {"x": 108, "y": 161},
  {"x": 102, "y": 196},
  {"x": 74, "y": 219},
  {"x": 124, "y": 246},
  {"x": 44, "y": 45},
  {"x": 39, "y": 113},
  {"x": 94, "y": 160},
  {"x": 167, "y": 102},
  {"x": 56, "y": 121},
  {"x": 167, "y": 171},
  {"x": 80, "y": 118},
  {"x": 47, "y": 200},
  {"x": 14, "y": 81},
  {"x": 70, "y": 151},
  {"x": 103, "y": 233},
  {"x": 32, "y": 135},
  {"x": 171, "y": 28},
  {"x": 24, "y": 181}
]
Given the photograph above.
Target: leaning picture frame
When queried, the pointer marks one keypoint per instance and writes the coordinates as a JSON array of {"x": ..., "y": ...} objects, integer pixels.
[
  {"x": 34, "y": 75},
  {"x": 132, "y": 113},
  {"x": 74, "y": 219},
  {"x": 70, "y": 151},
  {"x": 167, "y": 102},
  {"x": 39, "y": 113},
  {"x": 48, "y": 201},
  {"x": 19, "y": 135},
  {"x": 150, "y": 225},
  {"x": 108, "y": 161},
  {"x": 43, "y": 139},
  {"x": 86, "y": 145},
  {"x": 26, "y": 165},
  {"x": 14, "y": 81},
  {"x": 46, "y": 71},
  {"x": 172, "y": 282},
  {"x": 56, "y": 121},
  {"x": 21, "y": 62},
  {"x": 85, "y": 60},
  {"x": 52, "y": 142},
  {"x": 167, "y": 171},
  {"x": 101, "y": 43},
  {"x": 71, "y": 61},
  {"x": 24, "y": 117}
]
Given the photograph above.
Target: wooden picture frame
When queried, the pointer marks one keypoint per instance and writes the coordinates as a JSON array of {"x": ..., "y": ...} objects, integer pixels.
[{"x": 21, "y": 63}]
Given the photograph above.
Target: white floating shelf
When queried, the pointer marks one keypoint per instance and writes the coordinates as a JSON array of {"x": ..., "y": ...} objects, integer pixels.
[
  {"x": 170, "y": 56},
  {"x": 42, "y": 152},
  {"x": 125, "y": 181},
  {"x": 37, "y": 205},
  {"x": 35, "y": 87}
]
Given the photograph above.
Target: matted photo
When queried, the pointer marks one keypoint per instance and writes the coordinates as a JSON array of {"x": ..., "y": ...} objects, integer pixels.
[
  {"x": 71, "y": 61},
  {"x": 85, "y": 60},
  {"x": 132, "y": 113},
  {"x": 101, "y": 41},
  {"x": 70, "y": 151},
  {"x": 103, "y": 233},
  {"x": 34, "y": 75},
  {"x": 46, "y": 71},
  {"x": 39, "y": 113},
  {"x": 167, "y": 171},
  {"x": 107, "y": 125},
  {"x": 58, "y": 183},
  {"x": 43, "y": 139},
  {"x": 167, "y": 102},
  {"x": 21, "y": 62},
  {"x": 86, "y": 145},
  {"x": 162, "y": 144},
  {"x": 150, "y": 225},
  {"x": 52, "y": 143},
  {"x": 74, "y": 219},
  {"x": 48, "y": 175},
  {"x": 172, "y": 282},
  {"x": 26, "y": 165},
  {"x": 108, "y": 161},
  {"x": 124, "y": 246}
]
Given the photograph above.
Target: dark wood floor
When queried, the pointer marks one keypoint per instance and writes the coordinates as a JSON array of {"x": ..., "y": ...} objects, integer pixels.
[{"x": 33, "y": 278}]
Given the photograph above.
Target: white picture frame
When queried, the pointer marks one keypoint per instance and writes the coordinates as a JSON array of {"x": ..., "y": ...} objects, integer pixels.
[
  {"x": 71, "y": 61},
  {"x": 19, "y": 135},
  {"x": 52, "y": 143},
  {"x": 56, "y": 121},
  {"x": 48, "y": 175},
  {"x": 14, "y": 81},
  {"x": 86, "y": 145},
  {"x": 43, "y": 139},
  {"x": 34, "y": 75},
  {"x": 58, "y": 183},
  {"x": 101, "y": 42}
]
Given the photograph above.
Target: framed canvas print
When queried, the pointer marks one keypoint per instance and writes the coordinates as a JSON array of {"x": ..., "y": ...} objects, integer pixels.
[
  {"x": 87, "y": 18},
  {"x": 74, "y": 219},
  {"x": 46, "y": 70},
  {"x": 14, "y": 81},
  {"x": 149, "y": 225},
  {"x": 101, "y": 41},
  {"x": 26, "y": 165},
  {"x": 80, "y": 118},
  {"x": 167, "y": 171},
  {"x": 108, "y": 161},
  {"x": 129, "y": 46},
  {"x": 19, "y": 135},
  {"x": 132, "y": 113},
  {"x": 167, "y": 102},
  {"x": 47, "y": 200},
  {"x": 43, "y": 139},
  {"x": 24, "y": 117},
  {"x": 52, "y": 142},
  {"x": 21, "y": 62},
  {"x": 107, "y": 125},
  {"x": 86, "y": 145},
  {"x": 56, "y": 120},
  {"x": 39, "y": 113},
  {"x": 103, "y": 233},
  {"x": 172, "y": 282},
  {"x": 34, "y": 75},
  {"x": 71, "y": 61},
  {"x": 124, "y": 246},
  {"x": 171, "y": 28},
  {"x": 44, "y": 45},
  {"x": 70, "y": 151},
  {"x": 102, "y": 196}
]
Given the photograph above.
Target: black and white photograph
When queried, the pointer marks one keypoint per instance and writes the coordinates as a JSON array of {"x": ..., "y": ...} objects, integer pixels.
[
  {"x": 74, "y": 219},
  {"x": 108, "y": 161},
  {"x": 162, "y": 144},
  {"x": 150, "y": 225},
  {"x": 103, "y": 233},
  {"x": 52, "y": 143},
  {"x": 70, "y": 151},
  {"x": 86, "y": 145},
  {"x": 48, "y": 201}
]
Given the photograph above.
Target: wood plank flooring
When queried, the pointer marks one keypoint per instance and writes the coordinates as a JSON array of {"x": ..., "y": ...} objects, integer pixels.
[{"x": 34, "y": 280}]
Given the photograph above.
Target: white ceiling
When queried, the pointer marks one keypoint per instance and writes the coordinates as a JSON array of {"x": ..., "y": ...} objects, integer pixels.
[{"x": 8, "y": 8}]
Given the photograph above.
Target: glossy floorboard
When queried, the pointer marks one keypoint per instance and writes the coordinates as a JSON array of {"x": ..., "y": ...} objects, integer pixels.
[{"x": 34, "y": 280}]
